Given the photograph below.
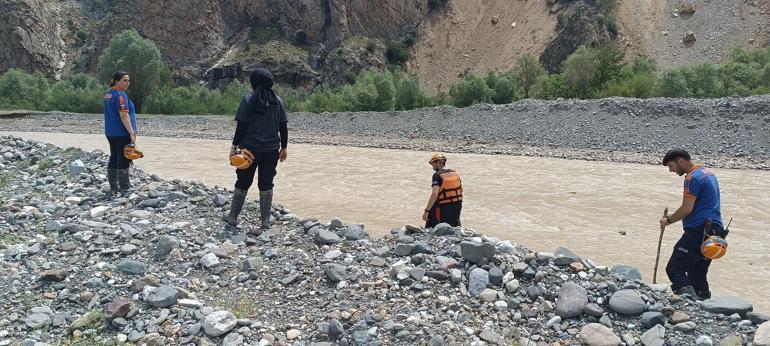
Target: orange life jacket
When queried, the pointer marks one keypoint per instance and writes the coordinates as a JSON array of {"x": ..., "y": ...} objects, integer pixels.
[{"x": 451, "y": 188}]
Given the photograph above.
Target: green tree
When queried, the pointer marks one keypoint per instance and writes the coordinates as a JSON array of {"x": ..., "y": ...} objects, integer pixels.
[
  {"x": 674, "y": 83},
  {"x": 139, "y": 57},
  {"x": 528, "y": 69},
  {"x": 21, "y": 90},
  {"x": 472, "y": 89},
  {"x": 551, "y": 87},
  {"x": 374, "y": 91},
  {"x": 409, "y": 93},
  {"x": 609, "y": 65},
  {"x": 704, "y": 80},
  {"x": 504, "y": 87},
  {"x": 581, "y": 71},
  {"x": 79, "y": 93}
]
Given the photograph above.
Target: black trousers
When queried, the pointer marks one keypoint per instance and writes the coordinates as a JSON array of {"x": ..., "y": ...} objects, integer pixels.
[
  {"x": 117, "y": 159},
  {"x": 449, "y": 213},
  {"x": 264, "y": 165},
  {"x": 687, "y": 267}
]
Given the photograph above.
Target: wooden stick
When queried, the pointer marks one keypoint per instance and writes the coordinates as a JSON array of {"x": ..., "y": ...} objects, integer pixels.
[{"x": 657, "y": 257}]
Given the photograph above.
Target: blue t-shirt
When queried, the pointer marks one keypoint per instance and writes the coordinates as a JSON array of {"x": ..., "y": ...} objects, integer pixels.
[
  {"x": 701, "y": 185},
  {"x": 116, "y": 101}
]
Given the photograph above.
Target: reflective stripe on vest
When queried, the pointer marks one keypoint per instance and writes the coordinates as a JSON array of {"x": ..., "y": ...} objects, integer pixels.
[{"x": 451, "y": 188}]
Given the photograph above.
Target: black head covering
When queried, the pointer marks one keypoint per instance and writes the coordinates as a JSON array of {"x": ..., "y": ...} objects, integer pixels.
[{"x": 263, "y": 95}]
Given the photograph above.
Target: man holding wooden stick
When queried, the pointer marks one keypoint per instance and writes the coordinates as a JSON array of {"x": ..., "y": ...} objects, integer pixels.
[{"x": 701, "y": 217}]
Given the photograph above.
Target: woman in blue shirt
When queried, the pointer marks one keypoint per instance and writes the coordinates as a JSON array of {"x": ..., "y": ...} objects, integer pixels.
[{"x": 120, "y": 129}]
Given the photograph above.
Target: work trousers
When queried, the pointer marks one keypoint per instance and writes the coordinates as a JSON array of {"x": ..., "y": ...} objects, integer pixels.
[
  {"x": 117, "y": 159},
  {"x": 264, "y": 166}
]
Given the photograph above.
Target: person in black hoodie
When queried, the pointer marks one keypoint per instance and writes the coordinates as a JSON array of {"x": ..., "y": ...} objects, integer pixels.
[{"x": 262, "y": 129}]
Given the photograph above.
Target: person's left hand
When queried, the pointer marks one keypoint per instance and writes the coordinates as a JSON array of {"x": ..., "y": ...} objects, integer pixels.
[
  {"x": 282, "y": 155},
  {"x": 663, "y": 223},
  {"x": 425, "y": 216}
]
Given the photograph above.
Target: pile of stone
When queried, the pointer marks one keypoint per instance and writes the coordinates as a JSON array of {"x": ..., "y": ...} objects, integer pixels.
[{"x": 157, "y": 266}]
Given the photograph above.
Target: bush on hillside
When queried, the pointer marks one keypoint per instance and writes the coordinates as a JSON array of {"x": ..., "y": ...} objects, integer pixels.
[
  {"x": 471, "y": 90},
  {"x": 551, "y": 87},
  {"x": 528, "y": 69},
  {"x": 374, "y": 92},
  {"x": 504, "y": 87}
]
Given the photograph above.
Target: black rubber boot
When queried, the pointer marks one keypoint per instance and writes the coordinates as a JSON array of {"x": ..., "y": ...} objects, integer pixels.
[
  {"x": 687, "y": 292},
  {"x": 239, "y": 196},
  {"x": 123, "y": 180},
  {"x": 112, "y": 178},
  {"x": 265, "y": 203}
]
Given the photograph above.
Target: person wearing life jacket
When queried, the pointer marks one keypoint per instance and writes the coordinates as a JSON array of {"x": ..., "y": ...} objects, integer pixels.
[
  {"x": 446, "y": 199},
  {"x": 701, "y": 217},
  {"x": 262, "y": 135}
]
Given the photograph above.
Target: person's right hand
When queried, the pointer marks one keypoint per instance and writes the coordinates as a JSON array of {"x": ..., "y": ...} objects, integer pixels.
[
  {"x": 133, "y": 138},
  {"x": 232, "y": 151}
]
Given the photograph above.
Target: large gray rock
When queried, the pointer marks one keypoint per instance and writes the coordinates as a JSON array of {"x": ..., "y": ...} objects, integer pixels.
[
  {"x": 76, "y": 168},
  {"x": 477, "y": 253},
  {"x": 627, "y": 302},
  {"x": 564, "y": 256},
  {"x": 403, "y": 249},
  {"x": 626, "y": 271},
  {"x": 757, "y": 318},
  {"x": 478, "y": 281},
  {"x": 164, "y": 246},
  {"x": 132, "y": 267},
  {"x": 38, "y": 320},
  {"x": 654, "y": 336},
  {"x": 209, "y": 260},
  {"x": 233, "y": 339},
  {"x": 355, "y": 232},
  {"x": 444, "y": 229},
  {"x": 219, "y": 322},
  {"x": 117, "y": 308},
  {"x": 762, "y": 335},
  {"x": 594, "y": 334},
  {"x": 572, "y": 299},
  {"x": 220, "y": 200},
  {"x": 326, "y": 237},
  {"x": 335, "y": 272},
  {"x": 652, "y": 318},
  {"x": 727, "y": 305},
  {"x": 163, "y": 296}
]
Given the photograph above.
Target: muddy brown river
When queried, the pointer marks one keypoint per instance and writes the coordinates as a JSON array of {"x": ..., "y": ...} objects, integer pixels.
[{"x": 541, "y": 203}]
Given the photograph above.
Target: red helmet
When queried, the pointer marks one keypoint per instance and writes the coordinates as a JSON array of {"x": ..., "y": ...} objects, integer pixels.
[
  {"x": 131, "y": 152},
  {"x": 241, "y": 158},
  {"x": 714, "y": 247}
]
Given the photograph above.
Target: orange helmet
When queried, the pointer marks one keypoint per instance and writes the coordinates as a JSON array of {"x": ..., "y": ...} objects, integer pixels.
[
  {"x": 241, "y": 158},
  {"x": 714, "y": 247},
  {"x": 131, "y": 152}
]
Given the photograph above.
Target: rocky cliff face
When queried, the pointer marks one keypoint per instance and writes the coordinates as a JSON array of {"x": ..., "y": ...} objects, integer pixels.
[
  {"x": 196, "y": 35},
  {"x": 29, "y": 39},
  {"x": 223, "y": 39}
]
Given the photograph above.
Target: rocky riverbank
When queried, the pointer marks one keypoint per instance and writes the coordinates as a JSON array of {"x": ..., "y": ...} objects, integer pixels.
[
  {"x": 726, "y": 133},
  {"x": 158, "y": 266}
]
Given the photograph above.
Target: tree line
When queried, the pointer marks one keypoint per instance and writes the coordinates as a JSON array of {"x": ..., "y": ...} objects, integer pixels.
[{"x": 587, "y": 73}]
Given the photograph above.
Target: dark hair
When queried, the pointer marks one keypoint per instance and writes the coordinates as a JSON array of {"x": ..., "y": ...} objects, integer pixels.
[
  {"x": 675, "y": 154},
  {"x": 117, "y": 77}
]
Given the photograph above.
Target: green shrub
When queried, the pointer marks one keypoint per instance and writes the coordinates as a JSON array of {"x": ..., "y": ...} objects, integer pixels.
[
  {"x": 396, "y": 52},
  {"x": 551, "y": 87},
  {"x": 374, "y": 92},
  {"x": 472, "y": 89},
  {"x": 79, "y": 93},
  {"x": 504, "y": 87},
  {"x": 21, "y": 90},
  {"x": 674, "y": 83},
  {"x": 409, "y": 93},
  {"x": 410, "y": 39},
  {"x": 528, "y": 69},
  {"x": 327, "y": 101}
]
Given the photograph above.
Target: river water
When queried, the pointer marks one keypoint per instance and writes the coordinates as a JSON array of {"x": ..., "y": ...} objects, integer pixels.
[{"x": 541, "y": 203}]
